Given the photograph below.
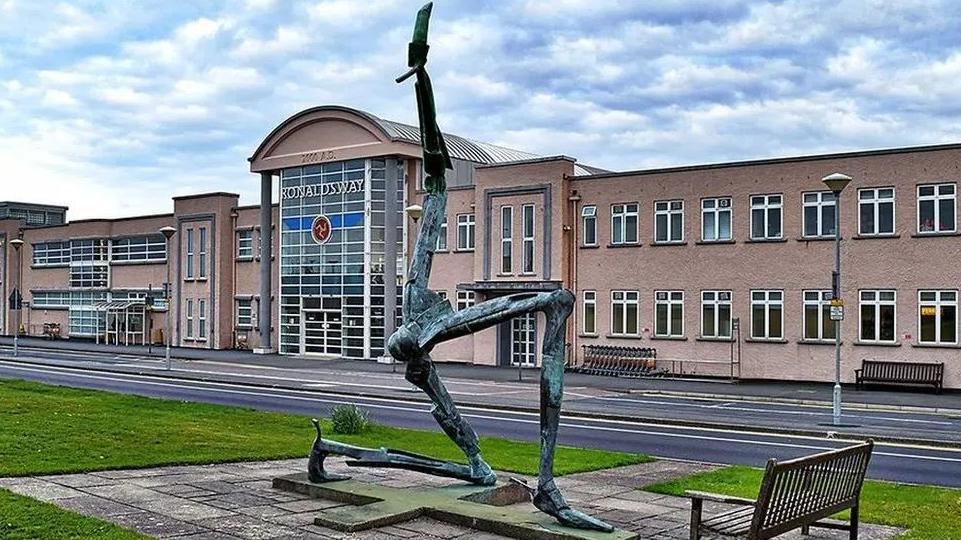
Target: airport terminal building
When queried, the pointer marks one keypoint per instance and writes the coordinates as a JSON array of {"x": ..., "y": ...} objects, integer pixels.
[{"x": 718, "y": 267}]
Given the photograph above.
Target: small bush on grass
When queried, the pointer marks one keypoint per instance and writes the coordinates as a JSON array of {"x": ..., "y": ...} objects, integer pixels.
[{"x": 349, "y": 419}]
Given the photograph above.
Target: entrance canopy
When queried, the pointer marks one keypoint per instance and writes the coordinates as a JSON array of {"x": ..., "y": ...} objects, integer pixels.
[{"x": 125, "y": 322}]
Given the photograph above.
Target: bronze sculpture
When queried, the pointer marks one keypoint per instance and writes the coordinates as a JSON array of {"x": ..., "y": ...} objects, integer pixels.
[{"x": 429, "y": 320}]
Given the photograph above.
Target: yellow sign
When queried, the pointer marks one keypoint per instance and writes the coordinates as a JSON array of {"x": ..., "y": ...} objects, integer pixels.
[
  {"x": 837, "y": 302},
  {"x": 929, "y": 311}
]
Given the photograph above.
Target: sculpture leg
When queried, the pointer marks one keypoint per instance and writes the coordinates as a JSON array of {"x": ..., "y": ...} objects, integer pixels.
[{"x": 548, "y": 497}]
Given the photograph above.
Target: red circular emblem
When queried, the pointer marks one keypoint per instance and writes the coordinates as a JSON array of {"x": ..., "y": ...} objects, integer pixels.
[{"x": 321, "y": 229}]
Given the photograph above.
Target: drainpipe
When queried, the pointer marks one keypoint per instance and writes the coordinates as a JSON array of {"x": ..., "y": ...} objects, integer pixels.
[
  {"x": 574, "y": 199},
  {"x": 233, "y": 275}
]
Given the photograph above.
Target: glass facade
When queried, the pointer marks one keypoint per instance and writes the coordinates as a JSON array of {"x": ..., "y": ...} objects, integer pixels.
[{"x": 332, "y": 293}]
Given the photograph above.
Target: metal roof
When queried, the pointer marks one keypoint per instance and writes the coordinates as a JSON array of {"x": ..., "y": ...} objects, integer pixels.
[
  {"x": 459, "y": 147},
  {"x": 111, "y": 305}
]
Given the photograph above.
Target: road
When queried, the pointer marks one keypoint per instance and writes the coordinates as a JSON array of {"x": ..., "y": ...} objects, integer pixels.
[{"x": 895, "y": 462}]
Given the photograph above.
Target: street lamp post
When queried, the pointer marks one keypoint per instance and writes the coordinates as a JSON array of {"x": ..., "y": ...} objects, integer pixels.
[
  {"x": 414, "y": 212},
  {"x": 17, "y": 243},
  {"x": 168, "y": 232},
  {"x": 836, "y": 183}
]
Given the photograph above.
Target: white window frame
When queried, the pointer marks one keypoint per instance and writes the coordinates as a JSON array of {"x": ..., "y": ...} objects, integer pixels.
[
  {"x": 715, "y": 299},
  {"x": 465, "y": 299},
  {"x": 767, "y": 206},
  {"x": 202, "y": 252},
  {"x": 712, "y": 214},
  {"x": 875, "y": 201},
  {"x": 771, "y": 298},
  {"x": 189, "y": 316},
  {"x": 673, "y": 300},
  {"x": 819, "y": 299},
  {"x": 189, "y": 259},
  {"x": 507, "y": 240},
  {"x": 201, "y": 319},
  {"x": 441, "y": 244},
  {"x": 244, "y": 312},
  {"x": 465, "y": 222},
  {"x": 668, "y": 210},
  {"x": 936, "y": 198},
  {"x": 589, "y": 222},
  {"x": 589, "y": 301},
  {"x": 528, "y": 228},
  {"x": 245, "y": 243},
  {"x": 876, "y": 303},
  {"x": 942, "y": 298},
  {"x": 620, "y": 214},
  {"x": 819, "y": 200},
  {"x": 628, "y": 298}
]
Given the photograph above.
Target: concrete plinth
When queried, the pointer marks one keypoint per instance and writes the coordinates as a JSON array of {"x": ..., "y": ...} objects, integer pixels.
[{"x": 484, "y": 508}]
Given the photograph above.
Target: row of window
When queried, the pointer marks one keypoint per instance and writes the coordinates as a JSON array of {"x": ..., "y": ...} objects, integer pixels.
[
  {"x": 198, "y": 251},
  {"x": 200, "y": 318},
  {"x": 144, "y": 248},
  {"x": 464, "y": 299},
  {"x": 465, "y": 233},
  {"x": 76, "y": 299},
  {"x": 876, "y": 216},
  {"x": 877, "y": 315}
]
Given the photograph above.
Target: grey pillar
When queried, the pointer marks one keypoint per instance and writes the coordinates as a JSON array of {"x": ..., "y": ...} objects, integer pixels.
[
  {"x": 391, "y": 218},
  {"x": 266, "y": 232}
]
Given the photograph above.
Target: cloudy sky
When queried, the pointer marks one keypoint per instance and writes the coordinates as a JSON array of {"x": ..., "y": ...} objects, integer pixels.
[{"x": 113, "y": 107}]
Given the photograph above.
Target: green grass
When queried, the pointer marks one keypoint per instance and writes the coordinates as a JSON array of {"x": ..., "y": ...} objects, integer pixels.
[
  {"x": 50, "y": 429},
  {"x": 928, "y": 512},
  {"x": 22, "y": 518}
]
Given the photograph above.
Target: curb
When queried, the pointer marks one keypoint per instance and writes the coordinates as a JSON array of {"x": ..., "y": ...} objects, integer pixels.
[
  {"x": 807, "y": 402},
  {"x": 817, "y": 434}
]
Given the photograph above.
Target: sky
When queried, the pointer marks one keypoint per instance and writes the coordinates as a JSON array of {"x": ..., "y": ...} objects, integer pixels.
[{"x": 113, "y": 107}]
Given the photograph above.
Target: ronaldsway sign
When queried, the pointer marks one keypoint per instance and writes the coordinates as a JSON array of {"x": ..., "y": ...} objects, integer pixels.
[{"x": 321, "y": 190}]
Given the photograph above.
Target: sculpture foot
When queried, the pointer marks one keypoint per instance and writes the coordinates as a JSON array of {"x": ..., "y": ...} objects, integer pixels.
[
  {"x": 481, "y": 472},
  {"x": 315, "y": 462},
  {"x": 548, "y": 499}
]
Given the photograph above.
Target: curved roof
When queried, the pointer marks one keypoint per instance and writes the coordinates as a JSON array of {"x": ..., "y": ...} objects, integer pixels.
[{"x": 459, "y": 147}]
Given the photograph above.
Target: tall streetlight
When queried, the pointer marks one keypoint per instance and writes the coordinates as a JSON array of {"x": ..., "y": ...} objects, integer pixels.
[
  {"x": 414, "y": 212},
  {"x": 17, "y": 243},
  {"x": 836, "y": 183},
  {"x": 168, "y": 232}
]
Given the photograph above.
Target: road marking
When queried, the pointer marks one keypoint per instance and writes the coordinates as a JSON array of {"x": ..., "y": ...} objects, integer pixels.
[{"x": 393, "y": 406}]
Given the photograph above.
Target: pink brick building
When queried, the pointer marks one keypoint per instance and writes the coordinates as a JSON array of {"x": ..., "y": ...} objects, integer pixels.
[{"x": 709, "y": 264}]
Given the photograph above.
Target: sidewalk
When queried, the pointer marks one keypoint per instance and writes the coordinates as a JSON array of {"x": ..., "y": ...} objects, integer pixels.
[{"x": 918, "y": 399}]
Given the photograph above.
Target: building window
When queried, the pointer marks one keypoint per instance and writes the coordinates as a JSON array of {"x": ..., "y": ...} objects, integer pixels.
[
  {"x": 936, "y": 208},
  {"x": 139, "y": 249},
  {"x": 245, "y": 244},
  {"x": 465, "y": 299},
  {"x": 878, "y": 310},
  {"x": 818, "y": 325},
  {"x": 624, "y": 224},
  {"x": 507, "y": 239},
  {"x": 190, "y": 254},
  {"x": 50, "y": 299},
  {"x": 716, "y": 314},
  {"x": 766, "y": 216},
  {"x": 875, "y": 211},
  {"x": 189, "y": 316},
  {"x": 624, "y": 305},
  {"x": 938, "y": 317},
  {"x": 716, "y": 219},
  {"x": 89, "y": 251},
  {"x": 442, "y": 235},
  {"x": 589, "y": 215},
  {"x": 767, "y": 314},
  {"x": 203, "y": 252},
  {"x": 590, "y": 312},
  {"x": 201, "y": 318},
  {"x": 819, "y": 214},
  {"x": 527, "y": 245},
  {"x": 245, "y": 312},
  {"x": 465, "y": 232},
  {"x": 89, "y": 275},
  {"x": 442, "y": 294},
  {"x": 669, "y": 221},
  {"x": 51, "y": 254},
  {"x": 668, "y": 313}
]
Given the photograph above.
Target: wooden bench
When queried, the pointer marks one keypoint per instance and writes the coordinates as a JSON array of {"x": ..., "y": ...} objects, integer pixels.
[
  {"x": 51, "y": 330},
  {"x": 794, "y": 494},
  {"x": 889, "y": 372},
  {"x": 617, "y": 361}
]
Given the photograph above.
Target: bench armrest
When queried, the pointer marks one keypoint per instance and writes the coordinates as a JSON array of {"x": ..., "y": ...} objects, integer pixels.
[{"x": 716, "y": 497}]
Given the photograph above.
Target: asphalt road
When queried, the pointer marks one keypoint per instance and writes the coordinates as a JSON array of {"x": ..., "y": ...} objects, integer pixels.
[{"x": 904, "y": 463}]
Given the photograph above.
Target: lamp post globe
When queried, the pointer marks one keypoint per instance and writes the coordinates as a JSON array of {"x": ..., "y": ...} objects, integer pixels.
[{"x": 836, "y": 182}]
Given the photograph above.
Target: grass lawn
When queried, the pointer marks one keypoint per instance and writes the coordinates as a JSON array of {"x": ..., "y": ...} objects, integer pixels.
[
  {"x": 931, "y": 513},
  {"x": 23, "y": 518},
  {"x": 50, "y": 429}
]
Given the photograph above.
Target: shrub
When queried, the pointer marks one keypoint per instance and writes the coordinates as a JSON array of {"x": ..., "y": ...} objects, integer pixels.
[{"x": 349, "y": 419}]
